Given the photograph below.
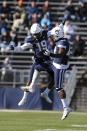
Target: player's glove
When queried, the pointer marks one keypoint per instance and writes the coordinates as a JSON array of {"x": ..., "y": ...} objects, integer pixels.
[{"x": 46, "y": 52}]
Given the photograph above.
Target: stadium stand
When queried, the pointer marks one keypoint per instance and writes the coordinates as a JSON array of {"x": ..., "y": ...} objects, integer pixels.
[{"x": 22, "y": 61}]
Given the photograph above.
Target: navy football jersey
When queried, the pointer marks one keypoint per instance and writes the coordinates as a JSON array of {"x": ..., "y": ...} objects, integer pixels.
[
  {"x": 58, "y": 62},
  {"x": 38, "y": 46}
]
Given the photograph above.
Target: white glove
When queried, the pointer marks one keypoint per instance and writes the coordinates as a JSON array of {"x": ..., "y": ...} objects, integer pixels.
[{"x": 46, "y": 52}]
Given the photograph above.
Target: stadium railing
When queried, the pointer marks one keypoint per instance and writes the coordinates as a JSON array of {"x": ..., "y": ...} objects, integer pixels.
[
  {"x": 16, "y": 78},
  {"x": 71, "y": 84}
]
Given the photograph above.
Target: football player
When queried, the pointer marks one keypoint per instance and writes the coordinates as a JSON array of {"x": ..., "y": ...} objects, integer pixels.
[
  {"x": 38, "y": 41},
  {"x": 60, "y": 63}
]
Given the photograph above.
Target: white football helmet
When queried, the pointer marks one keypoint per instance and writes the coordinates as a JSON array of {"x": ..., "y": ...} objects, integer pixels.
[
  {"x": 57, "y": 32},
  {"x": 36, "y": 30}
]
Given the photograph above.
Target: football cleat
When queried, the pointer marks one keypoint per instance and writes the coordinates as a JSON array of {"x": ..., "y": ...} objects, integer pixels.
[
  {"x": 66, "y": 113},
  {"x": 46, "y": 97},
  {"x": 28, "y": 89}
]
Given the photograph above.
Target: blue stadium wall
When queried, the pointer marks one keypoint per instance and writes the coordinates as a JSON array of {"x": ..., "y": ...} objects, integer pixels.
[{"x": 9, "y": 98}]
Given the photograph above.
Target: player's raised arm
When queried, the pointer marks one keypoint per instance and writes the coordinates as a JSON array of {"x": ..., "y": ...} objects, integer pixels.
[
  {"x": 61, "y": 26},
  {"x": 63, "y": 21},
  {"x": 27, "y": 44}
]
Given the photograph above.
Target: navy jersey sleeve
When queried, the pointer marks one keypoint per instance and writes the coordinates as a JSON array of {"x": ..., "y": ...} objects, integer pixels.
[
  {"x": 28, "y": 43},
  {"x": 64, "y": 44}
]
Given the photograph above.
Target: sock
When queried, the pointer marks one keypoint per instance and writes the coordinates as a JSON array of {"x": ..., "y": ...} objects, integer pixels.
[
  {"x": 47, "y": 91},
  {"x": 25, "y": 95},
  {"x": 35, "y": 76},
  {"x": 64, "y": 103}
]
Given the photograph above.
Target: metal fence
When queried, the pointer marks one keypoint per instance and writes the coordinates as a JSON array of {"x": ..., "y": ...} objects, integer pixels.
[
  {"x": 71, "y": 84},
  {"x": 16, "y": 78},
  {"x": 13, "y": 78}
]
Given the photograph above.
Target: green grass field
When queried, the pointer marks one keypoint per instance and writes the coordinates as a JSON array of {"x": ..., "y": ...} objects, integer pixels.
[{"x": 42, "y": 121}]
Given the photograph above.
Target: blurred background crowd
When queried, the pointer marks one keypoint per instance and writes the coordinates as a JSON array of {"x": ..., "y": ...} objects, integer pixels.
[{"x": 19, "y": 18}]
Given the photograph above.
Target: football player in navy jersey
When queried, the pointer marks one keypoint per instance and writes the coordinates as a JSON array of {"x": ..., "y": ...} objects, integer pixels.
[
  {"x": 60, "y": 63},
  {"x": 37, "y": 39}
]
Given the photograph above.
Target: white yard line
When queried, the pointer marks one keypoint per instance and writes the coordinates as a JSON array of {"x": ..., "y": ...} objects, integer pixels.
[
  {"x": 58, "y": 130},
  {"x": 47, "y": 130},
  {"x": 39, "y": 111},
  {"x": 79, "y": 125}
]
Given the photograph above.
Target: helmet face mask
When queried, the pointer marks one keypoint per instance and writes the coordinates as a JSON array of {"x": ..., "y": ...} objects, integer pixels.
[
  {"x": 36, "y": 31},
  {"x": 57, "y": 33},
  {"x": 36, "y": 36}
]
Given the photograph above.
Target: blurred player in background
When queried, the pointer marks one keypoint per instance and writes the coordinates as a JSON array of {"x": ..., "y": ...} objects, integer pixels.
[{"x": 6, "y": 66}]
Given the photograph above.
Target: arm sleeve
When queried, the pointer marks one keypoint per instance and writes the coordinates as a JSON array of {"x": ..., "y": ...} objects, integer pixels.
[
  {"x": 23, "y": 47},
  {"x": 63, "y": 21},
  {"x": 62, "y": 24}
]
